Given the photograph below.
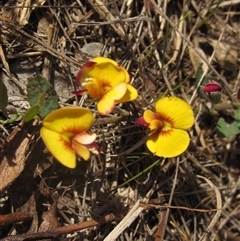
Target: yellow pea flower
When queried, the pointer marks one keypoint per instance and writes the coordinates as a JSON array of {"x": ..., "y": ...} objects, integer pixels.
[
  {"x": 102, "y": 79},
  {"x": 168, "y": 126},
  {"x": 64, "y": 133}
]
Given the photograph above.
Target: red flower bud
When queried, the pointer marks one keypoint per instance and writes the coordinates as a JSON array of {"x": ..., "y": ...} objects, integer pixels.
[
  {"x": 214, "y": 91},
  {"x": 212, "y": 86},
  {"x": 141, "y": 122}
]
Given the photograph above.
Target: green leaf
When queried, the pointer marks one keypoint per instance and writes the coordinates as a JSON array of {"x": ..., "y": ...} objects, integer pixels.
[
  {"x": 31, "y": 113},
  {"x": 3, "y": 96},
  {"x": 237, "y": 115},
  {"x": 42, "y": 93},
  {"x": 205, "y": 80},
  {"x": 225, "y": 129},
  {"x": 41, "y": 99}
]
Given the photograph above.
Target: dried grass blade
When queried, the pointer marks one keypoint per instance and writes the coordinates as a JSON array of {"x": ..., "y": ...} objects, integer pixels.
[
  {"x": 126, "y": 222},
  {"x": 219, "y": 207}
]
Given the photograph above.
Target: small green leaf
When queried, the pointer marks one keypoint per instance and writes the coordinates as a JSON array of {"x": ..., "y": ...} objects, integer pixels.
[
  {"x": 42, "y": 93},
  {"x": 199, "y": 74},
  {"x": 225, "y": 129},
  {"x": 237, "y": 115},
  {"x": 35, "y": 87},
  {"x": 205, "y": 80},
  {"x": 41, "y": 99},
  {"x": 50, "y": 103},
  {"x": 3, "y": 96},
  {"x": 31, "y": 113}
]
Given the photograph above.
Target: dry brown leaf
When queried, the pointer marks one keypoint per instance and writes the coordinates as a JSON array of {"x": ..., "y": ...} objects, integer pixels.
[
  {"x": 50, "y": 220},
  {"x": 196, "y": 60},
  {"x": 225, "y": 54},
  {"x": 14, "y": 154},
  {"x": 12, "y": 164}
]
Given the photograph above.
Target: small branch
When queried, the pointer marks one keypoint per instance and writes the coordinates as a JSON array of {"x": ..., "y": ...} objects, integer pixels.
[
  {"x": 14, "y": 218},
  {"x": 57, "y": 232}
]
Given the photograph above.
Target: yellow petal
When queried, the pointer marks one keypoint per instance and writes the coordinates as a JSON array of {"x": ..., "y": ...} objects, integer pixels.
[
  {"x": 59, "y": 146},
  {"x": 155, "y": 125},
  {"x": 69, "y": 121},
  {"x": 105, "y": 106},
  {"x": 149, "y": 116},
  {"x": 175, "y": 111},
  {"x": 81, "y": 150},
  {"x": 118, "y": 91},
  {"x": 107, "y": 73},
  {"x": 85, "y": 138},
  {"x": 131, "y": 94},
  {"x": 168, "y": 144},
  {"x": 82, "y": 73},
  {"x": 94, "y": 90},
  {"x": 100, "y": 60},
  {"x": 107, "y": 102}
]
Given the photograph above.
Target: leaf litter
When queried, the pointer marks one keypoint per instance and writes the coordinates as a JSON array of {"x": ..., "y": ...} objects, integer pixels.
[{"x": 161, "y": 43}]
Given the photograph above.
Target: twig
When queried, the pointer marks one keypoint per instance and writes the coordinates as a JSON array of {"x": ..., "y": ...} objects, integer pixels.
[
  {"x": 14, "y": 218},
  {"x": 57, "y": 232}
]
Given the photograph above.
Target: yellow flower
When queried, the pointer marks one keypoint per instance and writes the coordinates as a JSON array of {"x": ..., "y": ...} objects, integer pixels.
[
  {"x": 102, "y": 79},
  {"x": 64, "y": 133},
  {"x": 168, "y": 126}
]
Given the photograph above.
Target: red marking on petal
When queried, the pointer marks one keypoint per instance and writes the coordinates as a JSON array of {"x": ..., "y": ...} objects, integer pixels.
[
  {"x": 165, "y": 132},
  {"x": 83, "y": 70},
  {"x": 94, "y": 148},
  {"x": 165, "y": 118},
  {"x": 89, "y": 64},
  {"x": 80, "y": 92},
  {"x": 72, "y": 131},
  {"x": 67, "y": 145}
]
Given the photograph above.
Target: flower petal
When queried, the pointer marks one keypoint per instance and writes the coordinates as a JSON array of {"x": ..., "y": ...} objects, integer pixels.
[
  {"x": 82, "y": 73},
  {"x": 81, "y": 150},
  {"x": 119, "y": 91},
  {"x": 175, "y": 111},
  {"x": 85, "y": 138},
  {"x": 59, "y": 146},
  {"x": 100, "y": 60},
  {"x": 105, "y": 70},
  {"x": 80, "y": 92},
  {"x": 105, "y": 106},
  {"x": 69, "y": 121},
  {"x": 93, "y": 148},
  {"x": 155, "y": 125},
  {"x": 168, "y": 143},
  {"x": 107, "y": 102},
  {"x": 131, "y": 94},
  {"x": 149, "y": 116},
  {"x": 94, "y": 89}
]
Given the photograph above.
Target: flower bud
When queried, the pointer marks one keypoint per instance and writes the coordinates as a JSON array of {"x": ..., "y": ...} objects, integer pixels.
[{"x": 214, "y": 91}]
